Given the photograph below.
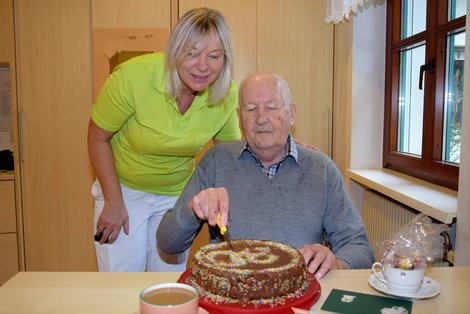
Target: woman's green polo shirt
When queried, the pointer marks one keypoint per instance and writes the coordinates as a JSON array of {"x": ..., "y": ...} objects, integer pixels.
[{"x": 154, "y": 144}]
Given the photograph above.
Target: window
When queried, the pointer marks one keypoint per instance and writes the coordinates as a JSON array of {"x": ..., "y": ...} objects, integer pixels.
[{"x": 424, "y": 88}]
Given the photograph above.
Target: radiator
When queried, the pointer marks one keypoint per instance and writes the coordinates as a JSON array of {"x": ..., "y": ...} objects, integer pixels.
[{"x": 383, "y": 217}]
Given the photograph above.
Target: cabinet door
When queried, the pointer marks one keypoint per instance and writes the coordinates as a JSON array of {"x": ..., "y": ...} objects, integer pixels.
[
  {"x": 294, "y": 41},
  {"x": 8, "y": 240},
  {"x": 9, "y": 260},
  {"x": 7, "y": 206},
  {"x": 54, "y": 97}
]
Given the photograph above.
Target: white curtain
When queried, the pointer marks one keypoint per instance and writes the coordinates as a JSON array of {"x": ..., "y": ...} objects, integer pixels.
[{"x": 339, "y": 10}]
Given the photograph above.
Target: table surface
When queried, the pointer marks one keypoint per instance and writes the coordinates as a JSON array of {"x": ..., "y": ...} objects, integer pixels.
[{"x": 95, "y": 292}]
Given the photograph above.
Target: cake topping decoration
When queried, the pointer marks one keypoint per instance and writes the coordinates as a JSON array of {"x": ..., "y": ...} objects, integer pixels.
[{"x": 257, "y": 272}]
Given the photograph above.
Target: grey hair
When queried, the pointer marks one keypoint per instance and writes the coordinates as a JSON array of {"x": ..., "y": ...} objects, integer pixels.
[
  {"x": 195, "y": 26},
  {"x": 281, "y": 86}
]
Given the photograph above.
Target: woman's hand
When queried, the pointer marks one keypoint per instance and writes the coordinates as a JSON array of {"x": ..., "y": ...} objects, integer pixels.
[
  {"x": 308, "y": 145},
  {"x": 114, "y": 215},
  {"x": 110, "y": 222}
]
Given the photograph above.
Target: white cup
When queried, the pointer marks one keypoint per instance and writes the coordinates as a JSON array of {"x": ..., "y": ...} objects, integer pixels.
[
  {"x": 399, "y": 279},
  {"x": 169, "y": 298}
]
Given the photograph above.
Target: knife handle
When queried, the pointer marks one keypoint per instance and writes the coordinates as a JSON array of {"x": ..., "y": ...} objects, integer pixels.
[{"x": 223, "y": 229}]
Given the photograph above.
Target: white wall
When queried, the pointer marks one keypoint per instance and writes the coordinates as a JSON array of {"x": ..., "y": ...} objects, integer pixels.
[
  {"x": 368, "y": 66},
  {"x": 368, "y": 80}
]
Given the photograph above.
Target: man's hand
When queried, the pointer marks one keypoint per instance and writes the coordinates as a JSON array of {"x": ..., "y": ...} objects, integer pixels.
[
  {"x": 320, "y": 259},
  {"x": 208, "y": 203}
]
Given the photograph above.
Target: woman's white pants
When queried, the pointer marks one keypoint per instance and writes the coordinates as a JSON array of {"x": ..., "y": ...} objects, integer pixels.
[{"x": 137, "y": 251}]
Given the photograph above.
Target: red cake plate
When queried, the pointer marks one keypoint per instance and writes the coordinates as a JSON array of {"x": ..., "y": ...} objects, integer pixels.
[{"x": 304, "y": 302}]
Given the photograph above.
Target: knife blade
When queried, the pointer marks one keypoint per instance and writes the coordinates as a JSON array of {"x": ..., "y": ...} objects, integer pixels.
[{"x": 224, "y": 232}]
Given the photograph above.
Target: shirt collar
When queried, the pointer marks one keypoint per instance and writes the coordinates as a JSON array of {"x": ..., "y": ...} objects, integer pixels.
[{"x": 291, "y": 150}]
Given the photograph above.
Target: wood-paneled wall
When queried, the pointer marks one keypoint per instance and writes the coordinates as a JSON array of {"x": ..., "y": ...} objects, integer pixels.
[
  {"x": 54, "y": 72},
  {"x": 290, "y": 38},
  {"x": 131, "y": 13},
  {"x": 294, "y": 41},
  {"x": 342, "y": 96}
]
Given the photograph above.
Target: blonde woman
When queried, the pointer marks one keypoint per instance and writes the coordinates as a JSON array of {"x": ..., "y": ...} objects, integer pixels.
[{"x": 152, "y": 116}]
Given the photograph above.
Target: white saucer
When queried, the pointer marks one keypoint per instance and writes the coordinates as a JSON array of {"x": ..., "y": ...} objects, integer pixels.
[{"x": 429, "y": 289}]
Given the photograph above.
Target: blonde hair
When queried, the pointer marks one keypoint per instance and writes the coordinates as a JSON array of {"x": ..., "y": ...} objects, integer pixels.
[{"x": 195, "y": 26}]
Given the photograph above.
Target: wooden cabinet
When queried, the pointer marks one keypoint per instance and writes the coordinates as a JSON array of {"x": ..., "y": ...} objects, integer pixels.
[
  {"x": 54, "y": 74},
  {"x": 8, "y": 232}
]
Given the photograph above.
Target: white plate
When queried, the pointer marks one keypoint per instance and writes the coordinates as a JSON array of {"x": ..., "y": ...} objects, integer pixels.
[{"x": 429, "y": 289}]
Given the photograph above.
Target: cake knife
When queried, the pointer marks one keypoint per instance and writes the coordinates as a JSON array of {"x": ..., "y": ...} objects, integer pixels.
[{"x": 224, "y": 232}]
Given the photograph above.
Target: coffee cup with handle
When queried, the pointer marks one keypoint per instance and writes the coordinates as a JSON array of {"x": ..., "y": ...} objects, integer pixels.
[
  {"x": 397, "y": 279},
  {"x": 169, "y": 298}
]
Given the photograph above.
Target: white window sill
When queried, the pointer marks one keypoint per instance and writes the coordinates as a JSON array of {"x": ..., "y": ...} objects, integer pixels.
[{"x": 435, "y": 201}]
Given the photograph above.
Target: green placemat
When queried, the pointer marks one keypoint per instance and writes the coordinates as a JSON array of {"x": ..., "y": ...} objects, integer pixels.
[{"x": 349, "y": 302}]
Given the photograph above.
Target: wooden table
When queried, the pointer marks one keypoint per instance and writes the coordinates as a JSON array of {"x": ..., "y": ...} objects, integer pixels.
[{"x": 94, "y": 292}]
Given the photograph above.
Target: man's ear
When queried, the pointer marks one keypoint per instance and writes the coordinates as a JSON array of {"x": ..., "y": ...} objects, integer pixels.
[{"x": 293, "y": 113}]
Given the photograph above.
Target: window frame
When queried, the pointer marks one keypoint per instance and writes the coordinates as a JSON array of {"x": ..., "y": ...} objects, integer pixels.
[{"x": 429, "y": 166}]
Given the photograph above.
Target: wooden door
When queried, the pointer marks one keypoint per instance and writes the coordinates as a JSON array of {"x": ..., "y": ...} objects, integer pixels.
[{"x": 54, "y": 96}]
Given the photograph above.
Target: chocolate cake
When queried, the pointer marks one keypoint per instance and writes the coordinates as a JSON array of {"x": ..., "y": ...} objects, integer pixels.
[{"x": 256, "y": 272}]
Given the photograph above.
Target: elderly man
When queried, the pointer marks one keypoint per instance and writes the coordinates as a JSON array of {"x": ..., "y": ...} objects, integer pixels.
[{"x": 270, "y": 188}]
